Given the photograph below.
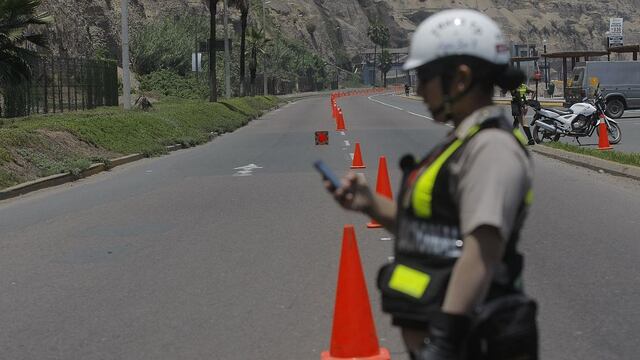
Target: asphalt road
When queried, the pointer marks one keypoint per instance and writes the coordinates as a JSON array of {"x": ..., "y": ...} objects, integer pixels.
[{"x": 230, "y": 250}]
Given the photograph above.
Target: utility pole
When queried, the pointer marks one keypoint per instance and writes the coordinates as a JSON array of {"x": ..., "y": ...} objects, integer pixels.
[
  {"x": 126, "y": 76},
  {"x": 213, "y": 96},
  {"x": 227, "y": 71},
  {"x": 264, "y": 61}
]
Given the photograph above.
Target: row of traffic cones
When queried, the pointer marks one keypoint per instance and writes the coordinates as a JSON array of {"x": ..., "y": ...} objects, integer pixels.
[{"x": 353, "y": 334}]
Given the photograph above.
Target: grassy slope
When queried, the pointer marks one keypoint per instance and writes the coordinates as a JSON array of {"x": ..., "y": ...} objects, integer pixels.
[
  {"x": 22, "y": 144},
  {"x": 612, "y": 155}
]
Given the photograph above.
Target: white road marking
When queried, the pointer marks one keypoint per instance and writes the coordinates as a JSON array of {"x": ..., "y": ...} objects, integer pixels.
[
  {"x": 385, "y": 239},
  {"x": 385, "y": 104},
  {"x": 351, "y": 156},
  {"x": 342, "y": 133},
  {"x": 246, "y": 170},
  {"x": 346, "y": 143},
  {"x": 419, "y": 115}
]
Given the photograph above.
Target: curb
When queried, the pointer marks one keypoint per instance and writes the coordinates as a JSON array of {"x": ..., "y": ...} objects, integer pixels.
[
  {"x": 558, "y": 103},
  {"x": 542, "y": 103},
  {"x": 589, "y": 162},
  {"x": 93, "y": 169}
]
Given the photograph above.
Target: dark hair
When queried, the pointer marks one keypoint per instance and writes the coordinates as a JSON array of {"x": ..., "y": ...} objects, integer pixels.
[{"x": 485, "y": 74}]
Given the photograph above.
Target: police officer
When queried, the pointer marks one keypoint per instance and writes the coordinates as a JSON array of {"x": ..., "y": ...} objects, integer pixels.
[
  {"x": 460, "y": 209},
  {"x": 518, "y": 110}
]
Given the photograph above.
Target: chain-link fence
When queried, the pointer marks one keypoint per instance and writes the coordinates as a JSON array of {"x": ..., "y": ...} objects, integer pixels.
[{"x": 62, "y": 84}]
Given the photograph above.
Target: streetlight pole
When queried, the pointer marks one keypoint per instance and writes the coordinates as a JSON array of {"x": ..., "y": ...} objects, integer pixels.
[
  {"x": 227, "y": 71},
  {"x": 546, "y": 69},
  {"x": 126, "y": 76},
  {"x": 264, "y": 61}
]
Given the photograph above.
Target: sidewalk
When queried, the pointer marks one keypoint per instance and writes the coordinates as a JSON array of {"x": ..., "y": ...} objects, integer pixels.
[{"x": 548, "y": 102}]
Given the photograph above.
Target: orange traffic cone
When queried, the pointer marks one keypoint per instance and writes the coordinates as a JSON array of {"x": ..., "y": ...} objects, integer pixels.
[
  {"x": 357, "y": 162},
  {"x": 340, "y": 121},
  {"x": 603, "y": 141},
  {"x": 383, "y": 186},
  {"x": 354, "y": 333}
]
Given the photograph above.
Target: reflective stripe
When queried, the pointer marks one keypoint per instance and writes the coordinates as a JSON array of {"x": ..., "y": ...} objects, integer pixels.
[
  {"x": 421, "y": 199},
  {"x": 528, "y": 199},
  {"x": 520, "y": 137},
  {"x": 409, "y": 281}
]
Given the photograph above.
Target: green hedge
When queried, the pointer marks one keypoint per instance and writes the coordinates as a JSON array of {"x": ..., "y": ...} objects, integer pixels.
[{"x": 188, "y": 122}]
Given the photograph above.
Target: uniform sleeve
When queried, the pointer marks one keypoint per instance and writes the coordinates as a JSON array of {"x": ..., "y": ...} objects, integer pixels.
[{"x": 493, "y": 181}]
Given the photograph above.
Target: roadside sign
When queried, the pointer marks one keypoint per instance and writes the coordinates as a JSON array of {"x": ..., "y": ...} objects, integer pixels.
[
  {"x": 616, "y": 32},
  {"x": 322, "y": 138},
  {"x": 616, "y": 40},
  {"x": 616, "y": 26}
]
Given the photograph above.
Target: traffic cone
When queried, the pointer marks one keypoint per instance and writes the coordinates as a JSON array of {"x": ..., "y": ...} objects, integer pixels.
[
  {"x": 340, "y": 121},
  {"x": 603, "y": 141},
  {"x": 383, "y": 186},
  {"x": 357, "y": 162},
  {"x": 354, "y": 333}
]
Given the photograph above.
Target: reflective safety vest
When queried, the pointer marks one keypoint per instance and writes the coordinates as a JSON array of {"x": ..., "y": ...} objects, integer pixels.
[
  {"x": 520, "y": 94},
  {"x": 429, "y": 240}
]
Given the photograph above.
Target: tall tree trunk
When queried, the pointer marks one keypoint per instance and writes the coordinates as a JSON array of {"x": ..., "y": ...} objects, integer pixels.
[
  {"x": 243, "y": 36},
  {"x": 375, "y": 53},
  {"x": 213, "y": 96},
  {"x": 253, "y": 68}
]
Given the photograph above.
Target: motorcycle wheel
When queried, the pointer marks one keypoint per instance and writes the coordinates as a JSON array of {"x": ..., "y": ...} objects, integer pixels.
[
  {"x": 614, "y": 133},
  {"x": 539, "y": 135}
]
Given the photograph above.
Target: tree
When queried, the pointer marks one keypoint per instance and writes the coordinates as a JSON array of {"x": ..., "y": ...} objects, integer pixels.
[
  {"x": 16, "y": 43},
  {"x": 379, "y": 35},
  {"x": 257, "y": 44},
  {"x": 386, "y": 63},
  {"x": 243, "y": 6}
]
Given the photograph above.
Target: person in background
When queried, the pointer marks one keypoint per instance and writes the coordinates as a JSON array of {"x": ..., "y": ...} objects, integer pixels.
[{"x": 519, "y": 110}]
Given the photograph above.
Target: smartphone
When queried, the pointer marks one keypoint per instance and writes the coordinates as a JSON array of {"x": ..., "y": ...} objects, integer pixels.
[{"x": 327, "y": 173}]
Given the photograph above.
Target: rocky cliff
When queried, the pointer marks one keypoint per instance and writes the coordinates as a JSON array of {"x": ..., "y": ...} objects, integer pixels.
[{"x": 337, "y": 28}]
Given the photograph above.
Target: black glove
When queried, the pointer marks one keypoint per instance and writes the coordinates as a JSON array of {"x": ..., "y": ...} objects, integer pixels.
[{"x": 447, "y": 337}]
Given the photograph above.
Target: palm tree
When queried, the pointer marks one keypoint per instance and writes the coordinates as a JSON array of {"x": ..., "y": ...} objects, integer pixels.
[
  {"x": 16, "y": 44},
  {"x": 379, "y": 35},
  {"x": 243, "y": 6},
  {"x": 257, "y": 44}
]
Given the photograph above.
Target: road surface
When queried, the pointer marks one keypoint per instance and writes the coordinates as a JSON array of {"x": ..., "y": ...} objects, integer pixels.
[{"x": 230, "y": 250}]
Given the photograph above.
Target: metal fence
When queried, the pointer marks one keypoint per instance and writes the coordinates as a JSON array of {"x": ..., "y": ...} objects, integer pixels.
[{"x": 62, "y": 84}]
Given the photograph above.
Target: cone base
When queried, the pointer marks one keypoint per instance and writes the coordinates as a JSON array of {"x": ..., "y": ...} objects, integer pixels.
[
  {"x": 383, "y": 355},
  {"x": 358, "y": 167},
  {"x": 373, "y": 225},
  {"x": 606, "y": 148}
]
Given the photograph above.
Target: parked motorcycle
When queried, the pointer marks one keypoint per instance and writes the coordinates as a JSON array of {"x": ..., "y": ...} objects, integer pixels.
[{"x": 581, "y": 120}]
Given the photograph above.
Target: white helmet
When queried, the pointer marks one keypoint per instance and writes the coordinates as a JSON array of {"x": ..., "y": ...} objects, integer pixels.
[{"x": 457, "y": 32}]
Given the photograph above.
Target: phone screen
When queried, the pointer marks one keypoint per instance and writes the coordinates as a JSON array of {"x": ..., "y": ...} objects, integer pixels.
[{"x": 327, "y": 173}]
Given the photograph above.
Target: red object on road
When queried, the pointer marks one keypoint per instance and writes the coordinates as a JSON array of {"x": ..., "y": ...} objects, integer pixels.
[
  {"x": 383, "y": 186},
  {"x": 354, "y": 333},
  {"x": 603, "y": 140},
  {"x": 322, "y": 138},
  {"x": 357, "y": 162}
]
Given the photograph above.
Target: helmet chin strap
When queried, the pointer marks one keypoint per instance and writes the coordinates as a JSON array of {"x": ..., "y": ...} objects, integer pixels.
[{"x": 448, "y": 102}]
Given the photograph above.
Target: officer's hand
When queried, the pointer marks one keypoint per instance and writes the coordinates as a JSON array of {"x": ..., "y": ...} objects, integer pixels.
[{"x": 354, "y": 194}]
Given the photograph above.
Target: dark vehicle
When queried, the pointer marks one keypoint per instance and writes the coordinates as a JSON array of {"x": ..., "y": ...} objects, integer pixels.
[{"x": 619, "y": 83}]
